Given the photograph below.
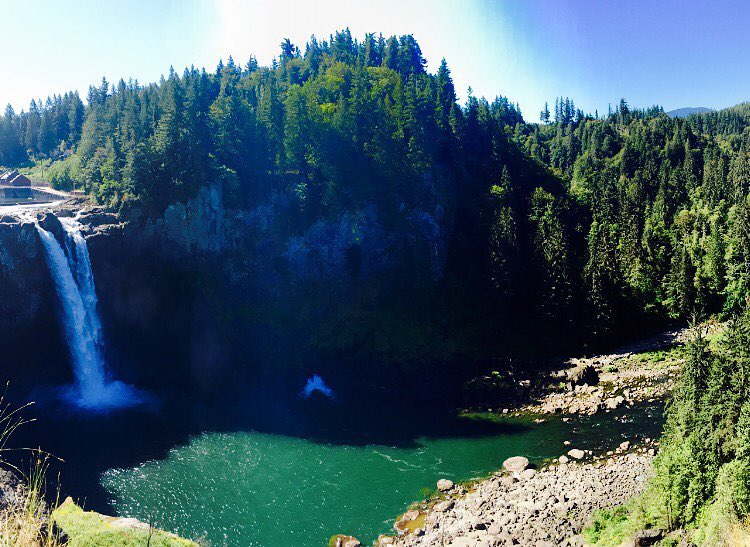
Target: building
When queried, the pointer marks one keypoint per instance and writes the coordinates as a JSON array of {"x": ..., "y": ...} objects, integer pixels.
[
  {"x": 20, "y": 180},
  {"x": 8, "y": 176}
]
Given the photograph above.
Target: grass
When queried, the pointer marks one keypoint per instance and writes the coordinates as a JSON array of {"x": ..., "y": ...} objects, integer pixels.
[
  {"x": 87, "y": 528},
  {"x": 24, "y": 519},
  {"x": 612, "y": 527},
  {"x": 667, "y": 356},
  {"x": 27, "y": 520}
]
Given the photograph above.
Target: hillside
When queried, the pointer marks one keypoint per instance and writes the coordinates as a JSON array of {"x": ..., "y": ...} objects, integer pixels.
[{"x": 687, "y": 111}]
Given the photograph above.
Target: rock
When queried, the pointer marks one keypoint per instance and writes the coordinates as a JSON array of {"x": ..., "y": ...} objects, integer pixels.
[
  {"x": 563, "y": 459},
  {"x": 624, "y": 445},
  {"x": 410, "y": 515},
  {"x": 576, "y": 453},
  {"x": 528, "y": 473},
  {"x": 645, "y": 538},
  {"x": 508, "y": 481},
  {"x": 444, "y": 485},
  {"x": 443, "y": 506},
  {"x": 583, "y": 375},
  {"x": 516, "y": 464},
  {"x": 406, "y": 517},
  {"x": 197, "y": 225},
  {"x": 52, "y": 224},
  {"x": 612, "y": 403},
  {"x": 494, "y": 528},
  {"x": 352, "y": 542},
  {"x": 96, "y": 218}
]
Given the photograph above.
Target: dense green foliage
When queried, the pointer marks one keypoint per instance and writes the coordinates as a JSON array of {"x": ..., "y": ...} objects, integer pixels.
[
  {"x": 706, "y": 445},
  {"x": 580, "y": 220},
  {"x": 702, "y": 479}
]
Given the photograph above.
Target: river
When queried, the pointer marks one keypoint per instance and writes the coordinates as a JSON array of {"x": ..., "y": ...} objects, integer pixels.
[{"x": 242, "y": 473}]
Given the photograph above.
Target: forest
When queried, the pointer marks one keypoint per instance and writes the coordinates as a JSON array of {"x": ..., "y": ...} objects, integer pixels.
[{"x": 593, "y": 218}]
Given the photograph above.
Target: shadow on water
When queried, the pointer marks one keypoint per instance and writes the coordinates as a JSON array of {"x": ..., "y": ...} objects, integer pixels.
[
  {"x": 270, "y": 454},
  {"x": 90, "y": 444}
]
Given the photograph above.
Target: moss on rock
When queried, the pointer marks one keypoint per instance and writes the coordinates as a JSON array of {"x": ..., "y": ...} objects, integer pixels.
[{"x": 87, "y": 528}]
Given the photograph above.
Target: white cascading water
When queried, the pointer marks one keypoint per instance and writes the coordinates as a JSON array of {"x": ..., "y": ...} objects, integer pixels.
[
  {"x": 316, "y": 383},
  {"x": 74, "y": 282}
]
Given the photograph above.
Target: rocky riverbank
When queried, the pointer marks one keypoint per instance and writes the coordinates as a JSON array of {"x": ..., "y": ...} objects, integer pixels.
[
  {"x": 551, "y": 505},
  {"x": 638, "y": 373},
  {"x": 528, "y": 507}
]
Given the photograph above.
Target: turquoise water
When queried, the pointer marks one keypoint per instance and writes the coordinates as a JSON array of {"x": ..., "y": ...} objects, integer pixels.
[{"x": 249, "y": 488}]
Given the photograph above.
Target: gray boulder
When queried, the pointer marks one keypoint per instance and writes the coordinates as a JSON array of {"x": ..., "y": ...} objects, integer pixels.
[
  {"x": 576, "y": 453},
  {"x": 444, "y": 485},
  {"x": 645, "y": 538},
  {"x": 516, "y": 464}
]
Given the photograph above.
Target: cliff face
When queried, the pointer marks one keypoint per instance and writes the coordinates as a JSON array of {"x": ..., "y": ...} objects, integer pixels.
[
  {"x": 193, "y": 227},
  {"x": 201, "y": 294},
  {"x": 24, "y": 283},
  {"x": 30, "y": 339}
]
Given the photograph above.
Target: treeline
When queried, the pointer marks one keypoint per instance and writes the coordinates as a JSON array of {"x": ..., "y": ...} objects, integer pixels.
[
  {"x": 581, "y": 221},
  {"x": 47, "y": 129},
  {"x": 661, "y": 209}
]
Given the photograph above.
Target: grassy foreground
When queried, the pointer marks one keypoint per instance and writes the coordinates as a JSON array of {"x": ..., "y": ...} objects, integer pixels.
[
  {"x": 28, "y": 520},
  {"x": 84, "y": 528}
]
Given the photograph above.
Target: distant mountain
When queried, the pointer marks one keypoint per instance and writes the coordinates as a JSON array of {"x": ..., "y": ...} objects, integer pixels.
[{"x": 685, "y": 112}]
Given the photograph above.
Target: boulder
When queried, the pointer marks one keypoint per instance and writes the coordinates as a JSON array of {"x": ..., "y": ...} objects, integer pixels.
[
  {"x": 52, "y": 224},
  {"x": 444, "y": 485},
  {"x": 516, "y": 464},
  {"x": 576, "y": 453},
  {"x": 508, "y": 481},
  {"x": 583, "y": 375},
  {"x": 645, "y": 538},
  {"x": 528, "y": 474},
  {"x": 563, "y": 459},
  {"x": 443, "y": 506}
]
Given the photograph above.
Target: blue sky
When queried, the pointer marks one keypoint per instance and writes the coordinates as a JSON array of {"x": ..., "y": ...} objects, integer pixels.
[{"x": 674, "y": 53}]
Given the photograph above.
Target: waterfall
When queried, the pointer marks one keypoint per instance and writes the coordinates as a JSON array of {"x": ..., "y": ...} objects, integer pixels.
[{"x": 70, "y": 267}]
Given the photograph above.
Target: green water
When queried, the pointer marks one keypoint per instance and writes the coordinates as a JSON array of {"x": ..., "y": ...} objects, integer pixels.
[{"x": 250, "y": 488}]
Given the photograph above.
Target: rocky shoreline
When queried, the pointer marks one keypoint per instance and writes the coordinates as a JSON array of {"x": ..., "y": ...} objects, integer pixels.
[
  {"x": 550, "y": 506},
  {"x": 528, "y": 507},
  {"x": 639, "y": 373}
]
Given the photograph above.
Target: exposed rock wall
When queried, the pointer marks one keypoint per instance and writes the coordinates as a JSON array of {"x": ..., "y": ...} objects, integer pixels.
[
  {"x": 195, "y": 226},
  {"x": 23, "y": 279},
  {"x": 201, "y": 289},
  {"x": 30, "y": 337}
]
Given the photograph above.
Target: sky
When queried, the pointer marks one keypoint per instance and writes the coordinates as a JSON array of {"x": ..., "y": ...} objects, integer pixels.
[{"x": 668, "y": 52}]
